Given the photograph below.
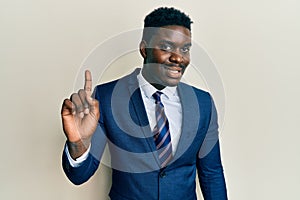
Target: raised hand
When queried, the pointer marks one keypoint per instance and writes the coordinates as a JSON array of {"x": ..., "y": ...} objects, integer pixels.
[{"x": 80, "y": 116}]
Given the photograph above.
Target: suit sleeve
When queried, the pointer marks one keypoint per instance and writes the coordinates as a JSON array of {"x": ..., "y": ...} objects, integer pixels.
[
  {"x": 88, "y": 167},
  {"x": 209, "y": 165}
]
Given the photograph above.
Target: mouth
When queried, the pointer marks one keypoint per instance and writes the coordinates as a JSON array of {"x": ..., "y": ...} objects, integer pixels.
[{"x": 174, "y": 71}]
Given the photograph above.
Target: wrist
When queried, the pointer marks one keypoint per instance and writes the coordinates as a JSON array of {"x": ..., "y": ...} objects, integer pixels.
[{"x": 76, "y": 149}]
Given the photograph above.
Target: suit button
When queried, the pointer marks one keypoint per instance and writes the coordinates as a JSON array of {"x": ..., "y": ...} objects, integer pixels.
[{"x": 162, "y": 174}]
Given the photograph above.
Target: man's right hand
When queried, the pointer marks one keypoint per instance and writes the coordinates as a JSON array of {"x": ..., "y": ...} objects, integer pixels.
[{"x": 80, "y": 115}]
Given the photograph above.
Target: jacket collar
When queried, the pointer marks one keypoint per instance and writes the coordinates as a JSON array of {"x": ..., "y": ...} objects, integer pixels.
[{"x": 190, "y": 112}]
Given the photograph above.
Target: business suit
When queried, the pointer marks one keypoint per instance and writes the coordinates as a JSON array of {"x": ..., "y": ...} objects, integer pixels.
[{"x": 135, "y": 163}]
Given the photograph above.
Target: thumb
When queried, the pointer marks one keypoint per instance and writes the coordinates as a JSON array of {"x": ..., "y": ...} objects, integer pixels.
[
  {"x": 68, "y": 108},
  {"x": 94, "y": 107}
]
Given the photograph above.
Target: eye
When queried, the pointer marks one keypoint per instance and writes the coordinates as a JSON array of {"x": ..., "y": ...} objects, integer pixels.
[
  {"x": 165, "y": 47},
  {"x": 185, "y": 49}
]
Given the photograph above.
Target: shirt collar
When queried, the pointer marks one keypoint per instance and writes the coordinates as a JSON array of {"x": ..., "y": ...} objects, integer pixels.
[{"x": 148, "y": 89}]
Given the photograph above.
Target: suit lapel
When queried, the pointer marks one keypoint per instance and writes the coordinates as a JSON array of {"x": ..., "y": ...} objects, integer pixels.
[
  {"x": 139, "y": 112},
  {"x": 190, "y": 118}
]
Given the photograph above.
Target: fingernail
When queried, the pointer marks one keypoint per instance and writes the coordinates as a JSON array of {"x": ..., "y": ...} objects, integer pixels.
[
  {"x": 81, "y": 114},
  {"x": 86, "y": 111}
]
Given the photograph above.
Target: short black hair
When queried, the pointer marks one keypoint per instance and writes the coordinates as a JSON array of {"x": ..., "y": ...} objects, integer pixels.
[{"x": 165, "y": 16}]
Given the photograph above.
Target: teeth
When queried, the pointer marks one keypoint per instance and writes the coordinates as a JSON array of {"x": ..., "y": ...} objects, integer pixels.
[{"x": 174, "y": 71}]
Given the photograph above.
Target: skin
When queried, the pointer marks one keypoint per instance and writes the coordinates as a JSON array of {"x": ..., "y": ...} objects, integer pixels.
[
  {"x": 166, "y": 57},
  {"x": 80, "y": 116}
]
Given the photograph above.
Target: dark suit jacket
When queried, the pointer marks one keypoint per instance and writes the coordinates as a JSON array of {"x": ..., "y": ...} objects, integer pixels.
[{"x": 136, "y": 175}]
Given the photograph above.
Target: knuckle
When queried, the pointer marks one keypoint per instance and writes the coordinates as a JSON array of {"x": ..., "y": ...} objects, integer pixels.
[
  {"x": 74, "y": 96},
  {"x": 65, "y": 101},
  {"x": 81, "y": 92},
  {"x": 88, "y": 88}
]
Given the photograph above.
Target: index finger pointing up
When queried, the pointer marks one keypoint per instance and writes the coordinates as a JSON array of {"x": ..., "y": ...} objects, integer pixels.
[{"x": 88, "y": 83}]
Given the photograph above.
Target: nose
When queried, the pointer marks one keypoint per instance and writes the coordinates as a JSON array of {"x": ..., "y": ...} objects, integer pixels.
[{"x": 176, "y": 58}]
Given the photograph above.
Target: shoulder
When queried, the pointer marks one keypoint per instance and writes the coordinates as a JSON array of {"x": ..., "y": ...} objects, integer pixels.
[
  {"x": 198, "y": 98},
  {"x": 105, "y": 87},
  {"x": 201, "y": 94},
  {"x": 123, "y": 81},
  {"x": 105, "y": 90}
]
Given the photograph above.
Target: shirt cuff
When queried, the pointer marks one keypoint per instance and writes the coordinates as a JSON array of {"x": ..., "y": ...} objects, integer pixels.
[{"x": 79, "y": 160}]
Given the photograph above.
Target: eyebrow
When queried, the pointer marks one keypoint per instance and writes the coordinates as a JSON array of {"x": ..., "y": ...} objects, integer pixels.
[
  {"x": 188, "y": 44},
  {"x": 173, "y": 44},
  {"x": 166, "y": 41}
]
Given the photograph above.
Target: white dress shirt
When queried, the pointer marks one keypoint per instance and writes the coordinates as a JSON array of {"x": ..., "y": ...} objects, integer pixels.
[
  {"x": 173, "y": 111},
  {"x": 172, "y": 105}
]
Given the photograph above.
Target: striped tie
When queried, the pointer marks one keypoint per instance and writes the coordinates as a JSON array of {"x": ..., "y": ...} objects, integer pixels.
[{"x": 162, "y": 137}]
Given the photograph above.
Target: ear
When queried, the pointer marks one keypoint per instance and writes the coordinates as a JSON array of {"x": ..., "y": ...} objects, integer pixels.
[{"x": 143, "y": 46}]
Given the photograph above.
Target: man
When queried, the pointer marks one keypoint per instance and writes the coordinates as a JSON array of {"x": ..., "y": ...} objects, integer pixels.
[{"x": 159, "y": 131}]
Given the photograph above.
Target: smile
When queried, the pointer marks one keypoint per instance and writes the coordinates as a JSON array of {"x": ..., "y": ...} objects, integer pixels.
[{"x": 173, "y": 72}]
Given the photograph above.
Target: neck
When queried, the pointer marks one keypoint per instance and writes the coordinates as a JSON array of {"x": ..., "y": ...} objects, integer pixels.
[{"x": 158, "y": 86}]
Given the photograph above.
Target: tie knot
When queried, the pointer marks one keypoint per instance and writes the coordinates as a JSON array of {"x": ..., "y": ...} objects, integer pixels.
[{"x": 156, "y": 96}]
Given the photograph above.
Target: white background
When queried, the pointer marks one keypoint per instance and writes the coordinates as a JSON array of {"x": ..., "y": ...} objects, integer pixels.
[{"x": 254, "y": 44}]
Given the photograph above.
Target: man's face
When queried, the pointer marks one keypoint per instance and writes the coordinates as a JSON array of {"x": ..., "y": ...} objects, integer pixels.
[{"x": 166, "y": 55}]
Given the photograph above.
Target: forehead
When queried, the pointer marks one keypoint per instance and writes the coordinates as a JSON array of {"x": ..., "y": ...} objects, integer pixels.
[{"x": 172, "y": 33}]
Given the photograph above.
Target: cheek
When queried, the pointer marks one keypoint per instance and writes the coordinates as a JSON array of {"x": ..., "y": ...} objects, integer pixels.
[
  {"x": 187, "y": 63},
  {"x": 187, "y": 60},
  {"x": 159, "y": 56}
]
